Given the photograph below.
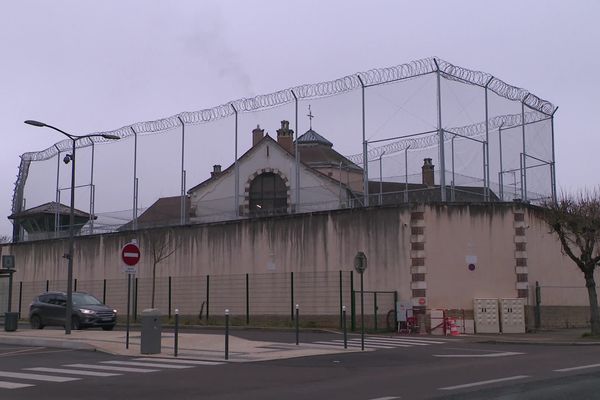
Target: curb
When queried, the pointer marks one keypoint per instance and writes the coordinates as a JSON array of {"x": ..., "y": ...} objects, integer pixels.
[
  {"x": 538, "y": 343},
  {"x": 41, "y": 342}
]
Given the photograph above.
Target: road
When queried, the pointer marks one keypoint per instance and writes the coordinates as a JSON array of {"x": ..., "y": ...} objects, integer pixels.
[{"x": 418, "y": 368}]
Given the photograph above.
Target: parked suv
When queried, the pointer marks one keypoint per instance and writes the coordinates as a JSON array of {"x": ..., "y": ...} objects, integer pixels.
[{"x": 49, "y": 308}]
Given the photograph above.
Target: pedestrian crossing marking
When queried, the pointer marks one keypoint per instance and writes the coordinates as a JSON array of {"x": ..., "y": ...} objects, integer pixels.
[
  {"x": 72, "y": 371},
  {"x": 381, "y": 342},
  {"x": 147, "y": 364},
  {"x": 111, "y": 368},
  {"x": 179, "y": 361},
  {"x": 36, "y": 377},
  {"x": 12, "y": 385}
]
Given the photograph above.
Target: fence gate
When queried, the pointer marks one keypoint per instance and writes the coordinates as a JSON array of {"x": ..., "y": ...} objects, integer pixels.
[{"x": 380, "y": 311}]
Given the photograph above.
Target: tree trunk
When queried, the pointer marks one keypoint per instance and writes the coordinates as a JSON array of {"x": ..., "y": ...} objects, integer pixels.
[
  {"x": 154, "y": 285},
  {"x": 590, "y": 283}
]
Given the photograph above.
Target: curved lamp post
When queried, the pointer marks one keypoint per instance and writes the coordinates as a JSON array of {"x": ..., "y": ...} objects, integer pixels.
[{"x": 69, "y": 256}]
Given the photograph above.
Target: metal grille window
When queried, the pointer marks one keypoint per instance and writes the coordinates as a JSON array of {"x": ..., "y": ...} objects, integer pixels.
[{"x": 268, "y": 195}]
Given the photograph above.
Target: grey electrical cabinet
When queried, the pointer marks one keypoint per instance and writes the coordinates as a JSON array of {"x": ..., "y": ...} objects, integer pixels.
[
  {"x": 151, "y": 332},
  {"x": 486, "y": 316},
  {"x": 512, "y": 315}
]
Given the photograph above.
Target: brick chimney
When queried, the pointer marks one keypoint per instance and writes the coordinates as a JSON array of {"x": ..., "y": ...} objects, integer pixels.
[
  {"x": 285, "y": 136},
  {"x": 428, "y": 176},
  {"x": 216, "y": 171},
  {"x": 257, "y": 135}
]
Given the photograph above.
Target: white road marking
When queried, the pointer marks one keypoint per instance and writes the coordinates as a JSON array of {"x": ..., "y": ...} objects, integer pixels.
[
  {"x": 110, "y": 368},
  {"x": 395, "y": 342},
  {"x": 354, "y": 343},
  {"x": 416, "y": 340},
  {"x": 386, "y": 398},
  {"x": 12, "y": 385},
  {"x": 36, "y": 377},
  {"x": 505, "y": 354},
  {"x": 481, "y": 383},
  {"x": 150, "y": 365},
  {"x": 71, "y": 371},
  {"x": 576, "y": 368},
  {"x": 179, "y": 361}
]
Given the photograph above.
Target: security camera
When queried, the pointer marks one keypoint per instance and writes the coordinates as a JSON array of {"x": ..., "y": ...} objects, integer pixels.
[{"x": 67, "y": 158}]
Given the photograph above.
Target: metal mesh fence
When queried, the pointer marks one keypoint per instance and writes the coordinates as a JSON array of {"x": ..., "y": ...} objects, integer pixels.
[
  {"x": 261, "y": 298},
  {"x": 488, "y": 141}
]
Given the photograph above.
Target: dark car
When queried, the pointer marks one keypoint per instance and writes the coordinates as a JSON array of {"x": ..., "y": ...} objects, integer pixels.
[{"x": 49, "y": 308}]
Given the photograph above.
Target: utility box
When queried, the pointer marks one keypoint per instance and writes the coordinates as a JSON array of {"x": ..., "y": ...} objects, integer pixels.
[
  {"x": 512, "y": 315},
  {"x": 151, "y": 332},
  {"x": 486, "y": 316}
]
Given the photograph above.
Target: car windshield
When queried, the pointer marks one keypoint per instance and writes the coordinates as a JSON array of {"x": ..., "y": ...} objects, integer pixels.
[{"x": 80, "y": 299}]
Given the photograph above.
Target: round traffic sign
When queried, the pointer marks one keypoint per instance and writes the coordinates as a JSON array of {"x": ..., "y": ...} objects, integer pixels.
[
  {"x": 130, "y": 254},
  {"x": 360, "y": 262}
]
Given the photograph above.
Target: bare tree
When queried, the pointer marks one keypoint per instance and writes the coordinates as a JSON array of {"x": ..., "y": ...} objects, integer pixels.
[
  {"x": 162, "y": 247},
  {"x": 576, "y": 222}
]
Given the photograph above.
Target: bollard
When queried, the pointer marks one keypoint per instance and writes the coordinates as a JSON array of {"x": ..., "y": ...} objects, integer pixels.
[
  {"x": 344, "y": 327},
  {"x": 297, "y": 325},
  {"x": 176, "y": 332},
  {"x": 227, "y": 334}
]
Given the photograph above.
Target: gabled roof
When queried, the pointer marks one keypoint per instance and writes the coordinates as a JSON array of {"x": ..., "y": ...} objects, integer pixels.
[
  {"x": 49, "y": 208},
  {"x": 251, "y": 150},
  {"x": 164, "y": 211}
]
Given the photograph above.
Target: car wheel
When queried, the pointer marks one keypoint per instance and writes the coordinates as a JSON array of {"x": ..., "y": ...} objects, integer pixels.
[
  {"x": 75, "y": 323},
  {"x": 36, "y": 322},
  {"x": 108, "y": 328}
]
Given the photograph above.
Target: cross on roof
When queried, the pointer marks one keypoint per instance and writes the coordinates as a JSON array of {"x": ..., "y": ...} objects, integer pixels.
[{"x": 310, "y": 116}]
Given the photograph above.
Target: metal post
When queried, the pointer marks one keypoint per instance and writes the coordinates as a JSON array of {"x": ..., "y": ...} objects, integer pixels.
[
  {"x": 128, "y": 310},
  {"x": 486, "y": 153},
  {"x": 524, "y": 170},
  {"x": 104, "y": 291},
  {"x": 395, "y": 309},
  {"x": 236, "y": 167},
  {"x": 297, "y": 156},
  {"x": 20, "y": 297},
  {"x": 344, "y": 327},
  {"x": 501, "y": 178},
  {"x": 362, "y": 315},
  {"x": 485, "y": 191},
  {"x": 182, "y": 205},
  {"x": 292, "y": 293},
  {"x": 135, "y": 299},
  {"x": 297, "y": 324},
  {"x": 352, "y": 303},
  {"x": 341, "y": 299},
  {"x": 135, "y": 180},
  {"x": 10, "y": 291},
  {"x": 57, "y": 213},
  {"x": 406, "y": 174},
  {"x": 227, "y": 334},
  {"x": 47, "y": 285},
  {"x": 247, "y": 299},
  {"x": 375, "y": 311},
  {"x": 207, "y": 296},
  {"x": 538, "y": 302},
  {"x": 176, "y": 338},
  {"x": 364, "y": 140},
  {"x": 75, "y": 284},
  {"x": 441, "y": 135},
  {"x": 521, "y": 158},
  {"x": 453, "y": 194},
  {"x": 92, "y": 190},
  {"x": 69, "y": 307},
  {"x": 170, "y": 300},
  {"x": 553, "y": 169},
  {"x": 381, "y": 179}
]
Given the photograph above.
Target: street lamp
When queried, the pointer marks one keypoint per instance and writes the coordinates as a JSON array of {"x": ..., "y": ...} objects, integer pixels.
[{"x": 69, "y": 256}]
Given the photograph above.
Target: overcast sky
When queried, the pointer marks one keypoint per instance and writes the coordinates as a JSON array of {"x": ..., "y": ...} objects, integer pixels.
[{"x": 91, "y": 66}]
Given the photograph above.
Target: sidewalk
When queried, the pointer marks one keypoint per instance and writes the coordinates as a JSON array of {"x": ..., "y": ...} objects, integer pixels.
[
  {"x": 558, "y": 337},
  {"x": 206, "y": 346}
]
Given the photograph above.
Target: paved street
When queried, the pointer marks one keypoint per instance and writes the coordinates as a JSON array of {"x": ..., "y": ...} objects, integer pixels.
[{"x": 395, "y": 368}]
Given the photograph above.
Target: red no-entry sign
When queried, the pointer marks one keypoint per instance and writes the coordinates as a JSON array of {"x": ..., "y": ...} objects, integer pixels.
[{"x": 130, "y": 254}]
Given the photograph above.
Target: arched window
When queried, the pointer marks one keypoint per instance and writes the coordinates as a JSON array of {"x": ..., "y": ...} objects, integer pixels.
[{"x": 268, "y": 195}]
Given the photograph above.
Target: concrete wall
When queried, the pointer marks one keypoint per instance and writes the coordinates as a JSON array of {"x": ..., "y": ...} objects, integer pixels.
[{"x": 421, "y": 251}]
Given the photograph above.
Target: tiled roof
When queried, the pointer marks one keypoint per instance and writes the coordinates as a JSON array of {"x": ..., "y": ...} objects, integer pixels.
[{"x": 311, "y": 136}]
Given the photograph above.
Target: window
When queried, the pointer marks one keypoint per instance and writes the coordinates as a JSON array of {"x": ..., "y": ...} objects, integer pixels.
[{"x": 268, "y": 195}]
